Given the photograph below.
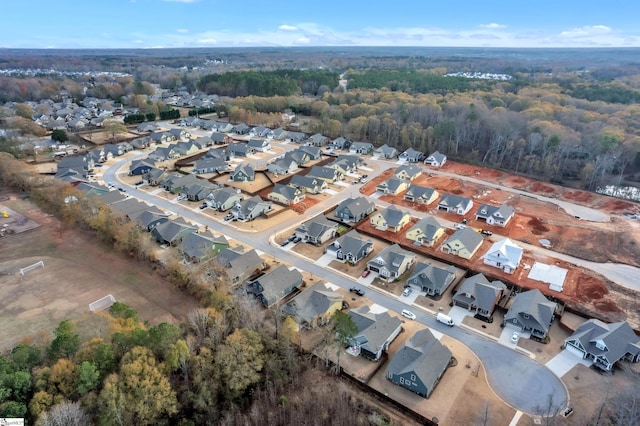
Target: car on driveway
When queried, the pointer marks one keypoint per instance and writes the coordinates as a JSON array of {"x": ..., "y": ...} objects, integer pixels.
[
  {"x": 408, "y": 314},
  {"x": 296, "y": 240},
  {"x": 486, "y": 233},
  {"x": 514, "y": 337},
  {"x": 228, "y": 217},
  {"x": 357, "y": 290},
  {"x": 366, "y": 273},
  {"x": 407, "y": 291},
  {"x": 203, "y": 206},
  {"x": 284, "y": 243}
]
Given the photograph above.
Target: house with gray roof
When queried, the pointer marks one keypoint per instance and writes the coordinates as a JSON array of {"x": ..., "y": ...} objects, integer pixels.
[
  {"x": 455, "y": 203},
  {"x": 154, "y": 176},
  {"x": 421, "y": 194},
  {"x": 128, "y": 209},
  {"x": 219, "y": 153},
  {"x": 180, "y": 134},
  {"x": 351, "y": 247},
  {"x": 224, "y": 198},
  {"x": 386, "y": 152},
  {"x": 408, "y": 172},
  {"x": 162, "y": 137},
  {"x": 163, "y": 154},
  {"x": 412, "y": 156},
  {"x": 420, "y": 363},
  {"x": 172, "y": 231},
  {"x": 240, "y": 129},
  {"x": 275, "y": 285},
  {"x": 285, "y": 194},
  {"x": 436, "y": 159},
  {"x": 604, "y": 344},
  {"x": 354, "y": 209},
  {"x": 147, "y": 127},
  {"x": 239, "y": 150},
  {"x": 479, "y": 295},
  {"x": 308, "y": 184},
  {"x": 251, "y": 208},
  {"x": 317, "y": 230},
  {"x": 140, "y": 167},
  {"x": 391, "y": 263},
  {"x": 340, "y": 143},
  {"x": 325, "y": 173},
  {"x": 350, "y": 163},
  {"x": 209, "y": 165},
  {"x": 431, "y": 279},
  {"x": 296, "y": 137},
  {"x": 314, "y": 306},
  {"x": 149, "y": 219},
  {"x": 493, "y": 215},
  {"x": 313, "y": 152},
  {"x": 531, "y": 311},
  {"x": 244, "y": 172},
  {"x": 200, "y": 191},
  {"x": 361, "y": 148},
  {"x": 283, "y": 166},
  {"x": 277, "y": 134},
  {"x": 115, "y": 149},
  {"x": 392, "y": 186},
  {"x": 298, "y": 156},
  {"x": 238, "y": 266},
  {"x": 201, "y": 246},
  {"x": 463, "y": 243},
  {"x": 390, "y": 219},
  {"x": 318, "y": 140},
  {"x": 259, "y": 145},
  {"x": 504, "y": 254},
  {"x": 218, "y": 138},
  {"x": 376, "y": 331},
  {"x": 260, "y": 131},
  {"x": 426, "y": 232},
  {"x": 180, "y": 184}
]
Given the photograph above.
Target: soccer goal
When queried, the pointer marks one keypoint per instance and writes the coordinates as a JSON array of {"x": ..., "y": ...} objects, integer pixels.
[
  {"x": 102, "y": 304},
  {"x": 31, "y": 267}
]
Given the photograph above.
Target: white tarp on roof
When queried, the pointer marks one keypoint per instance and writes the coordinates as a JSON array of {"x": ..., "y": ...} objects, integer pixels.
[{"x": 552, "y": 275}]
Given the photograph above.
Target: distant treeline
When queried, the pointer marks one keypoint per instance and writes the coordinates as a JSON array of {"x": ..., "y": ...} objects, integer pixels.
[
  {"x": 413, "y": 82},
  {"x": 614, "y": 94},
  {"x": 269, "y": 83}
]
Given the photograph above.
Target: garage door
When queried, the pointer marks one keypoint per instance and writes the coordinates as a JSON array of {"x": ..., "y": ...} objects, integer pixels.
[{"x": 575, "y": 351}]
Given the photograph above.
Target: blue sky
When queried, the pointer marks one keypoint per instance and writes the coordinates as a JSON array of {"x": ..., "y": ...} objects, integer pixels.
[{"x": 228, "y": 23}]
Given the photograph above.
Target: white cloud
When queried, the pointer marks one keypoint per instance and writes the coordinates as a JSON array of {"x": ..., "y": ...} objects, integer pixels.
[
  {"x": 586, "y": 31},
  {"x": 287, "y": 28},
  {"x": 207, "y": 41},
  {"x": 303, "y": 40},
  {"x": 182, "y": 30},
  {"x": 493, "y": 25}
]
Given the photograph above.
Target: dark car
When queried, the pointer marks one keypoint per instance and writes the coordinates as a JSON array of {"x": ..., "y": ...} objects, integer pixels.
[
  {"x": 284, "y": 243},
  {"x": 487, "y": 233},
  {"x": 356, "y": 290},
  {"x": 203, "y": 206},
  {"x": 296, "y": 240}
]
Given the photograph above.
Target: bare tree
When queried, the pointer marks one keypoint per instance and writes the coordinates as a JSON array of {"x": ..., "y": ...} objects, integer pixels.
[{"x": 65, "y": 414}]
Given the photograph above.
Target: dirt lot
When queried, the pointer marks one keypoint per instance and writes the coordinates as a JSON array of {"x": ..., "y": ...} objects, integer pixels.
[{"x": 78, "y": 271}]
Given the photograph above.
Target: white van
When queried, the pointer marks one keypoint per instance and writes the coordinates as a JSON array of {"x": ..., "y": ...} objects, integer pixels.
[{"x": 445, "y": 319}]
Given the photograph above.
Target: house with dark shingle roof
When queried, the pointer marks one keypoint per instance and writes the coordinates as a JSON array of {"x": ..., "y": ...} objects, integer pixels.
[
  {"x": 493, "y": 215},
  {"x": 317, "y": 230},
  {"x": 531, "y": 311},
  {"x": 604, "y": 344},
  {"x": 391, "y": 263},
  {"x": 283, "y": 166},
  {"x": 426, "y": 232},
  {"x": 239, "y": 150},
  {"x": 154, "y": 176},
  {"x": 361, "y": 148},
  {"x": 259, "y": 145},
  {"x": 390, "y": 219},
  {"x": 251, "y": 208},
  {"x": 431, "y": 279},
  {"x": 351, "y": 247},
  {"x": 412, "y": 156},
  {"x": 172, "y": 231},
  {"x": 240, "y": 129},
  {"x": 375, "y": 332},
  {"x": 421, "y": 194},
  {"x": 478, "y": 295},
  {"x": 277, "y": 134},
  {"x": 314, "y": 306},
  {"x": 436, "y": 159},
  {"x": 239, "y": 267},
  {"x": 392, "y": 186},
  {"x": 325, "y": 173},
  {"x": 244, "y": 172},
  {"x": 261, "y": 131},
  {"x": 140, "y": 167},
  {"x": 218, "y": 138},
  {"x": 275, "y": 285},
  {"x": 354, "y": 209},
  {"x": 455, "y": 203},
  {"x": 308, "y": 184},
  {"x": 463, "y": 243},
  {"x": 201, "y": 246},
  {"x": 420, "y": 363},
  {"x": 318, "y": 140},
  {"x": 224, "y": 198},
  {"x": 296, "y": 137},
  {"x": 313, "y": 152},
  {"x": 408, "y": 172},
  {"x": 386, "y": 151},
  {"x": 285, "y": 195},
  {"x": 209, "y": 165}
]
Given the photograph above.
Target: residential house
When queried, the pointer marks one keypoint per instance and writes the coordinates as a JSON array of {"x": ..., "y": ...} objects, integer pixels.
[
  {"x": 421, "y": 194},
  {"x": 354, "y": 209},
  {"x": 220, "y": 153},
  {"x": 244, "y": 172},
  {"x": 313, "y": 152},
  {"x": 386, "y": 152},
  {"x": 180, "y": 184},
  {"x": 240, "y": 129},
  {"x": 161, "y": 137},
  {"x": 390, "y": 219},
  {"x": 504, "y": 254},
  {"x": 172, "y": 231},
  {"x": 202, "y": 142},
  {"x": 436, "y": 159},
  {"x": 147, "y": 127},
  {"x": 218, "y": 138},
  {"x": 314, "y": 306},
  {"x": 340, "y": 143},
  {"x": 296, "y": 137},
  {"x": 408, "y": 172},
  {"x": 317, "y": 230},
  {"x": 282, "y": 166},
  {"x": 224, "y": 198},
  {"x": 259, "y": 145},
  {"x": 604, "y": 344},
  {"x": 239, "y": 150},
  {"x": 148, "y": 219},
  {"x": 140, "y": 167},
  {"x": 317, "y": 140},
  {"x": 238, "y": 266},
  {"x": 391, "y": 263},
  {"x": 463, "y": 243},
  {"x": 260, "y": 131},
  {"x": 307, "y": 184},
  {"x": 163, "y": 154},
  {"x": 325, "y": 173},
  {"x": 286, "y": 195},
  {"x": 412, "y": 156},
  {"x": 277, "y": 134},
  {"x": 392, "y": 186},
  {"x": 350, "y": 163},
  {"x": 154, "y": 176},
  {"x": 420, "y": 363},
  {"x": 298, "y": 156},
  {"x": 376, "y": 331},
  {"x": 531, "y": 311},
  {"x": 199, "y": 247},
  {"x": 433, "y": 280},
  {"x": 480, "y": 296},
  {"x": 80, "y": 164},
  {"x": 288, "y": 116},
  {"x": 455, "y": 203},
  {"x": 115, "y": 149},
  {"x": 209, "y": 165},
  {"x": 201, "y": 190},
  {"x": 351, "y": 247},
  {"x": 273, "y": 286},
  {"x": 180, "y": 134},
  {"x": 141, "y": 143},
  {"x": 493, "y": 215},
  {"x": 361, "y": 148},
  {"x": 251, "y": 208},
  {"x": 426, "y": 232},
  {"x": 185, "y": 148},
  {"x": 222, "y": 127}
]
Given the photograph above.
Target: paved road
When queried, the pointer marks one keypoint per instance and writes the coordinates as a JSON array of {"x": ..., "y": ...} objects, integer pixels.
[{"x": 518, "y": 380}]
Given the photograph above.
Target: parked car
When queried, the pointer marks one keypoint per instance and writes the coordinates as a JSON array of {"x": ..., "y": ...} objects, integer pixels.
[
  {"x": 121, "y": 189},
  {"x": 228, "y": 217},
  {"x": 364, "y": 180},
  {"x": 203, "y": 206},
  {"x": 514, "y": 337},
  {"x": 138, "y": 183},
  {"x": 407, "y": 291},
  {"x": 284, "y": 243},
  {"x": 408, "y": 314},
  {"x": 293, "y": 237},
  {"x": 296, "y": 240},
  {"x": 366, "y": 273},
  {"x": 486, "y": 233},
  {"x": 357, "y": 290}
]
